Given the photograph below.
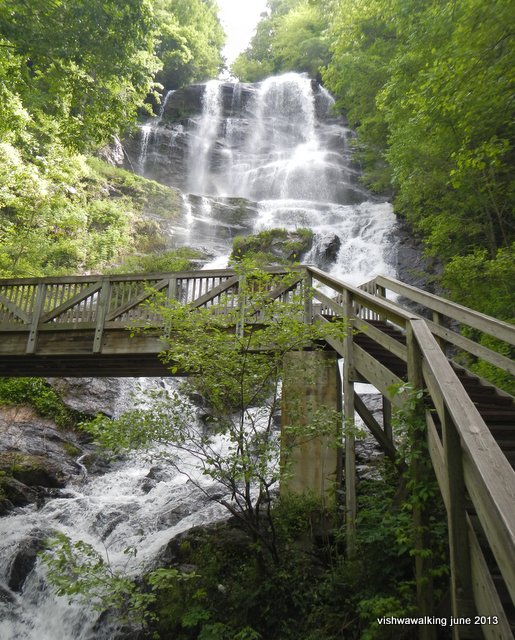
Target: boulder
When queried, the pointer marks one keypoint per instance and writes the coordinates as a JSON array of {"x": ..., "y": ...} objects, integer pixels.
[{"x": 24, "y": 560}]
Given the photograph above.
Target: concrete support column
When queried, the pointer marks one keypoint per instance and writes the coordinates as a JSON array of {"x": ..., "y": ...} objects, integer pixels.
[{"x": 310, "y": 392}]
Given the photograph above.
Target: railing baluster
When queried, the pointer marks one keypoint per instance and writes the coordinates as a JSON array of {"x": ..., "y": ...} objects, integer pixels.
[
  {"x": 102, "y": 308},
  {"x": 36, "y": 314}
]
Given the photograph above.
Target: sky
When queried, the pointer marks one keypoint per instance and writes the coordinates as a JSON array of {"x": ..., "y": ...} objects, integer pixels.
[{"x": 239, "y": 19}]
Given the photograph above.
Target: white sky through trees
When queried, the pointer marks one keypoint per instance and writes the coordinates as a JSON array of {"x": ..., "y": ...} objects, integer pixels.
[{"x": 239, "y": 19}]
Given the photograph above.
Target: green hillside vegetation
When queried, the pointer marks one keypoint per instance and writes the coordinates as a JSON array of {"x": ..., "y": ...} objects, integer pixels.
[
  {"x": 73, "y": 75},
  {"x": 428, "y": 86}
]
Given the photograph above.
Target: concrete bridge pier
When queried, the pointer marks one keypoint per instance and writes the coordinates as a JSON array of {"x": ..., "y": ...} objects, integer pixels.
[{"x": 311, "y": 395}]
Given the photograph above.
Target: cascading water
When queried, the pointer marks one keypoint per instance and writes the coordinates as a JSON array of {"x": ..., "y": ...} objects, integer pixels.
[
  {"x": 246, "y": 158},
  {"x": 266, "y": 155}
]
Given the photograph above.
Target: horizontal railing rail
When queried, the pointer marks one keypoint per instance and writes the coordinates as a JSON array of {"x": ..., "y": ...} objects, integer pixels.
[{"x": 449, "y": 318}]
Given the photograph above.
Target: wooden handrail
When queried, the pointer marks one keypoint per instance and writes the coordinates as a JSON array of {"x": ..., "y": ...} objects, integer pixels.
[
  {"x": 489, "y": 478},
  {"x": 487, "y": 324}
]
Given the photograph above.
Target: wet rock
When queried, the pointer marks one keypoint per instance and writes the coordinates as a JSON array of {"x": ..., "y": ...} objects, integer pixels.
[
  {"x": 330, "y": 252},
  {"x": 6, "y": 596},
  {"x": 25, "y": 559},
  {"x": 158, "y": 474},
  {"x": 17, "y": 493},
  {"x": 91, "y": 395},
  {"x": 32, "y": 470},
  {"x": 413, "y": 266},
  {"x": 34, "y": 456}
]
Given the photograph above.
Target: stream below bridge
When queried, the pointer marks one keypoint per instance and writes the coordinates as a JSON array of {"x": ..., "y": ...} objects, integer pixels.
[{"x": 246, "y": 157}]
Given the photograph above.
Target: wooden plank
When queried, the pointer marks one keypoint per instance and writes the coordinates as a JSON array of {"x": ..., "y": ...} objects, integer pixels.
[
  {"x": 377, "y": 374},
  {"x": 482, "y": 352},
  {"x": 223, "y": 286},
  {"x": 489, "y": 478},
  {"x": 462, "y": 599},
  {"x": 433, "y": 387},
  {"x": 50, "y": 315},
  {"x": 485, "y": 594},
  {"x": 141, "y": 277},
  {"x": 36, "y": 313},
  {"x": 328, "y": 302},
  {"x": 308, "y": 298},
  {"x": 423, "y": 562},
  {"x": 284, "y": 288},
  {"x": 19, "y": 313},
  {"x": 350, "y": 439},
  {"x": 382, "y": 338},
  {"x": 384, "y": 308},
  {"x": 435, "y": 447},
  {"x": 374, "y": 427},
  {"x": 137, "y": 300},
  {"x": 488, "y": 324},
  {"x": 102, "y": 307}
]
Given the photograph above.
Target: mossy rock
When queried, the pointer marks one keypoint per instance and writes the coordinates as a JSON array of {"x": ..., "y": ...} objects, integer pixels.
[
  {"x": 274, "y": 246},
  {"x": 151, "y": 197},
  {"x": 31, "y": 470}
]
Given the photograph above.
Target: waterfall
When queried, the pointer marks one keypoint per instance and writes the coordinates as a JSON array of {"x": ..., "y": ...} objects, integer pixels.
[
  {"x": 203, "y": 140},
  {"x": 148, "y": 130},
  {"x": 278, "y": 147},
  {"x": 246, "y": 157}
]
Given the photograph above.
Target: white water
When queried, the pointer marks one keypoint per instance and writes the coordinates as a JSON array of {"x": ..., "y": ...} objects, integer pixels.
[
  {"x": 278, "y": 146},
  {"x": 148, "y": 130},
  {"x": 121, "y": 509},
  {"x": 280, "y": 149}
]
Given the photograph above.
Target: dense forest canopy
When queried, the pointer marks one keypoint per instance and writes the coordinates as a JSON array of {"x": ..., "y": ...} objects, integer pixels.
[
  {"x": 429, "y": 88},
  {"x": 72, "y": 75}
]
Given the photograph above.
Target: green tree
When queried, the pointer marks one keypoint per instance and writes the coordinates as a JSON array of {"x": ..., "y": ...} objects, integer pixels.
[
  {"x": 76, "y": 70},
  {"x": 291, "y": 36},
  {"x": 363, "y": 42},
  {"x": 233, "y": 354},
  {"x": 190, "y": 39}
]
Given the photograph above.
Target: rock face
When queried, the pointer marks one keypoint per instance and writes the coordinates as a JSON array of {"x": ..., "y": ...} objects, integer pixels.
[
  {"x": 36, "y": 457},
  {"x": 92, "y": 395},
  {"x": 25, "y": 558}
]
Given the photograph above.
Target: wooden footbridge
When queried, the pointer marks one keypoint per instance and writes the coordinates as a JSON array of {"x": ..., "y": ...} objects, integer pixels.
[{"x": 78, "y": 326}]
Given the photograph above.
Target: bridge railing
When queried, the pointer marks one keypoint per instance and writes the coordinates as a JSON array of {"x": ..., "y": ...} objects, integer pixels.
[
  {"x": 98, "y": 303},
  {"x": 466, "y": 458},
  {"x": 447, "y": 321}
]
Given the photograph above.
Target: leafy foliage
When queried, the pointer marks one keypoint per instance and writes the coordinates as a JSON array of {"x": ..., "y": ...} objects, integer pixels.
[
  {"x": 62, "y": 218},
  {"x": 190, "y": 41},
  {"x": 290, "y": 37},
  {"x": 77, "y": 570},
  {"x": 273, "y": 246},
  {"x": 78, "y": 71},
  {"x": 37, "y": 393},
  {"x": 428, "y": 86},
  {"x": 233, "y": 353}
]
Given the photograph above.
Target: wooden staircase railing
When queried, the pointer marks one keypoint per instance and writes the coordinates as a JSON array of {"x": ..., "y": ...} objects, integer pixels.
[{"x": 469, "y": 465}]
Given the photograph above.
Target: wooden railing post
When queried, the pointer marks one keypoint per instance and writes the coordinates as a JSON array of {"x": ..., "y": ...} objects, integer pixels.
[
  {"x": 240, "y": 325},
  {"x": 387, "y": 419},
  {"x": 102, "y": 308},
  {"x": 308, "y": 297},
  {"x": 420, "y": 518},
  {"x": 350, "y": 441},
  {"x": 37, "y": 310},
  {"x": 462, "y": 598},
  {"x": 172, "y": 288}
]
